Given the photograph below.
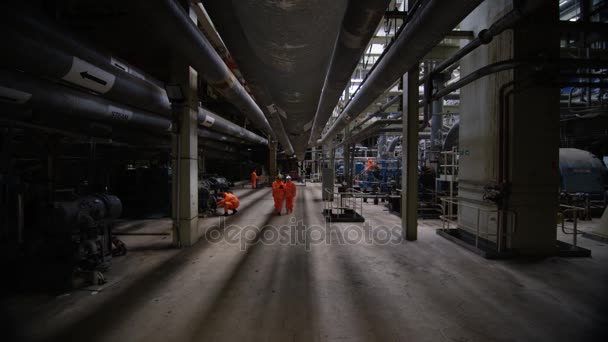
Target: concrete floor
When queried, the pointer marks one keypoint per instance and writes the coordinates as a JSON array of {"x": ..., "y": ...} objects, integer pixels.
[{"x": 429, "y": 290}]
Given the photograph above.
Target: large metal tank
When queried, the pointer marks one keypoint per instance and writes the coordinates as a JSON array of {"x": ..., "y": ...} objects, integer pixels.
[{"x": 581, "y": 172}]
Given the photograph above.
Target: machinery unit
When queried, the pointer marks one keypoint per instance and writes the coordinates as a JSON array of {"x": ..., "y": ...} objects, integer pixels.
[
  {"x": 583, "y": 181},
  {"x": 81, "y": 230}
]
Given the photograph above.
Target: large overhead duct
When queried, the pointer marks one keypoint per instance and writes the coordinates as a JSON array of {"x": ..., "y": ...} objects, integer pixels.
[
  {"x": 183, "y": 36},
  {"x": 240, "y": 50},
  {"x": 283, "y": 49},
  {"x": 19, "y": 91},
  {"x": 40, "y": 48},
  {"x": 358, "y": 26},
  {"x": 429, "y": 25}
]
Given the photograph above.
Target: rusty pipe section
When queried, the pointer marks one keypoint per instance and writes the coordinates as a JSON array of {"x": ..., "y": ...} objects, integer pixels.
[
  {"x": 430, "y": 24},
  {"x": 358, "y": 26}
]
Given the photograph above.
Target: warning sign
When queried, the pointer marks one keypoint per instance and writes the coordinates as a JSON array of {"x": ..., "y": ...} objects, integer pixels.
[{"x": 89, "y": 76}]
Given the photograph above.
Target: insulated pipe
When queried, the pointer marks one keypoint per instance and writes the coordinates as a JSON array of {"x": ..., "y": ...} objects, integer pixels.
[
  {"x": 483, "y": 38},
  {"x": 380, "y": 110},
  {"x": 217, "y": 146},
  {"x": 359, "y": 24},
  {"x": 184, "y": 37},
  {"x": 21, "y": 91},
  {"x": 207, "y": 134},
  {"x": 242, "y": 51},
  {"x": 371, "y": 128},
  {"x": 393, "y": 144},
  {"x": 213, "y": 121},
  {"x": 38, "y": 47},
  {"x": 430, "y": 24}
]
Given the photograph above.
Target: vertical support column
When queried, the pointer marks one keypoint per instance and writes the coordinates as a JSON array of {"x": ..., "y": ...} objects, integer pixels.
[
  {"x": 346, "y": 156},
  {"x": 272, "y": 160},
  {"x": 351, "y": 180},
  {"x": 437, "y": 117},
  {"x": 532, "y": 164},
  {"x": 409, "y": 173},
  {"x": 185, "y": 158}
]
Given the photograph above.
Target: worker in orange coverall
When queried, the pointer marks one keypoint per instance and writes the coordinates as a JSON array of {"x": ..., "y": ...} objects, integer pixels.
[
  {"x": 230, "y": 202},
  {"x": 278, "y": 192},
  {"x": 254, "y": 180},
  {"x": 370, "y": 164},
  {"x": 290, "y": 194}
]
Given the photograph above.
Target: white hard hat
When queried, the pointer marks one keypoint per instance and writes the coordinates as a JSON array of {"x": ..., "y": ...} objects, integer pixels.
[{"x": 288, "y": 177}]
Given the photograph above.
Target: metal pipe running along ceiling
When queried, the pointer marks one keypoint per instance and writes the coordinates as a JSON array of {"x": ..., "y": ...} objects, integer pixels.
[
  {"x": 358, "y": 26},
  {"x": 20, "y": 92},
  {"x": 63, "y": 58},
  {"x": 175, "y": 26},
  {"x": 283, "y": 48},
  {"x": 240, "y": 50},
  {"x": 430, "y": 24}
]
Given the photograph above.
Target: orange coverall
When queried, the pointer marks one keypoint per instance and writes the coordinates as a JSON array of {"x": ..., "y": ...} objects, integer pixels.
[
  {"x": 254, "y": 179},
  {"x": 369, "y": 165},
  {"x": 290, "y": 194},
  {"x": 230, "y": 202},
  {"x": 278, "y": 192}
]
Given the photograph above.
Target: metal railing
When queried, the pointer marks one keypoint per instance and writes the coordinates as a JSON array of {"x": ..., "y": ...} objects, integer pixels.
[
  {"x": 566, "y": 209},
  {"x": 342, "y": 201},
  {"x": 505, "y": 221}
]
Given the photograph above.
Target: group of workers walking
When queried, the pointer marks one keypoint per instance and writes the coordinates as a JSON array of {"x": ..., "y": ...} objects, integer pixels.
[{"x": 283, "y": 192}]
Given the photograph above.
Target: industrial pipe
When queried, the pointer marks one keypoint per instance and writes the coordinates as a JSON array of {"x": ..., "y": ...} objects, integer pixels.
[
  {"x": 242, "y": 52},
  {"x": 393, "y": 144},
  {"x": 372, "y": 128},
  {"x": 185, "y": 38},
  {"x": 359, "y": 24},
  {"x": 477, "y": 74},
  {"x": 122, "y": 82},
  {"x": 483, "y": 38},
  {"x": 217, "y": 146},
  {"x": 213, "y": 121},
  {"x": 431, "y": 23},
  {"x": 207, "y": 134},
  {"x": 21, "y": 91},
  {"x": 38, "y": 47}
]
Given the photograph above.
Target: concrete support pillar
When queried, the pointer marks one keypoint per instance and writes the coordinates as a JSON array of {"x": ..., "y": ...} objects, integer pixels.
[
  {"x": 185, "y": 158},
  {"x": 409, "y": 182},
  {"x": 532, "y": 174},
  {"x": 524, "y": 164},
  {"x": 272, "y": 160}
]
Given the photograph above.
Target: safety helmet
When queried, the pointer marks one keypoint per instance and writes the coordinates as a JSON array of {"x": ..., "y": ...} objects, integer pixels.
[
  {"x": 279, "y": 176},
  {"x": 288, "y": 178}
]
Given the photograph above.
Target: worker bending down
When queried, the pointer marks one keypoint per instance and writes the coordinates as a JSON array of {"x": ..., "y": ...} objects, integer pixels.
[
  {"x": 290, "y": 194},
  {"x": 278, "y": 193},
  {"x": 229, "y": 202},
  {"x": 254, "y": 180}
]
